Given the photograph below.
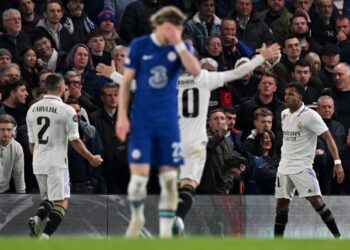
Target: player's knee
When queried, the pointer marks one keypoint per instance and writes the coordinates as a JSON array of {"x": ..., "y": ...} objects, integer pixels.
[
  {"x": 283, "y": 205},
  {"x": 169, "y": 192},
  {"x": 189, "y": 182},
  {"x": 137, "y": 188}
]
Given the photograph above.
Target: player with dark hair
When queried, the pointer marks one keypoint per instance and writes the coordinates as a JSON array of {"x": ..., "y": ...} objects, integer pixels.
[
  {"x": 301, "y": 126},
  {"x": 51, "y": 124}
]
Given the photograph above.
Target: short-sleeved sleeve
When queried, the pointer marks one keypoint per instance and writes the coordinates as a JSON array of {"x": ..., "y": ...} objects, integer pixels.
[
  {"x": 132, "y": 60},
  {"x": 72, "y": 124}
]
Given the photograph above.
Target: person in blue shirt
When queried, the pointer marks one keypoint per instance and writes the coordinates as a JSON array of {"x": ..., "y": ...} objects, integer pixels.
[{"x": 155, "y": 62}]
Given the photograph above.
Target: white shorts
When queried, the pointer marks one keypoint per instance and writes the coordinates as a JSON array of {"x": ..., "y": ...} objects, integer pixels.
[
  {"x": 55, "y": 186},
  {"x": 304, "y": 182},
  {"x": 195, "y": 157}
]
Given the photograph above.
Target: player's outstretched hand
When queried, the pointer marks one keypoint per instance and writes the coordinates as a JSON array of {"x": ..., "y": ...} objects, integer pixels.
[
  {"x": 172, "y": 33},
  {"x": 339, "y": 172},
  {"x": 122, "y": 129},
  {"x": 96, "y": 160},
  {"x": 271, "y": 52},
  {"x": 105, "y": 70}
]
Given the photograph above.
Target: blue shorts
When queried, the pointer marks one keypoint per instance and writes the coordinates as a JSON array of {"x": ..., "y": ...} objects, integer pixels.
[{"x": 155, "y": 144}]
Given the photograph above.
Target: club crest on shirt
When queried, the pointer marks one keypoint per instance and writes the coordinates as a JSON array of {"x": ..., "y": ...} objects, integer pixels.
[
  {"x": 75, "y": 118},
  {"x": 136, "y": 154},
  {"x": 171, "y": 56},
  {"x": 300, "y": 125}
]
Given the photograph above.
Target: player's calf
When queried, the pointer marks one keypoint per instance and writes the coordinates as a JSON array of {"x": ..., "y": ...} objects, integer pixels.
[
  {"x": 281, "y": 221},
  {"x": 328, "y": 219},
  {"x": 168, "y": 202},
  {"x": 186, "y": 197},
  {"x": 54, "y": 219},
  {"x": 136, "y": 196}
]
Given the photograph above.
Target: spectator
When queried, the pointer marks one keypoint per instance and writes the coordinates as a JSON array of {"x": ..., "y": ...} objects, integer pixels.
[
  {"x": 203, "y": 25},
  {"x": 30, "y": 67},
  {"x": 344, "y": 153},
  {"x": 11, "y": 157},
  {"x": 277, "y": 17},
  {"x": 330, "y": 58},
  {"x": 342, "y": 27},
  {"x": 300, "y": 27},
  {"x": 323, "y": 22},
  {"x": 219, "y": 174},
  {"x": 51, "y": 58},
  {"x": 9, "y": 71},
  {"x": 315, "y": 65},
  {"x": 13, "y": 35},
  {"x": 302, "y": 7},
  {"x": 60, "y": 38},
  {"x": 314, "y": 60},
  {"x": 263, "y": 118},
  {"x": 341, "y": 94},
  {"x": 29, "y": 18},
  {"x": 250, "y": 29},
  {"x": 323, "y": 160},
  {"x": 213, "y": 47},
  {"x": 97, "y": 44},
  {"x": 106, "y": 27},
  {"x": 135, "y": 20},
  {"x": 14, "y": 99},
  {"x": 83, "y": 177},
  {"x": 79, "y": 60},
  {"x": 267, "y": 98},
  {"x": 233, "y": 48},
  {"x": 233, "y": 134},
  {"x": 264, "y": 164},
  {"x": 78, "y": 24},
  {"x": 5, "y": 56},
  {"x": 302, "y": 74},
  {"x": 246, "y": 87},
  {"x": 118, "y": 55},
  {"x": 115, "y": 158},
  {"x": 291, "y": 54},
  {"x": 75, "y": 83}
]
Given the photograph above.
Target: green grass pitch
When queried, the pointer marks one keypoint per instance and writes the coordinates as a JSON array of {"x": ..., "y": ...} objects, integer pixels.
[{"x": 191, "y": 243}]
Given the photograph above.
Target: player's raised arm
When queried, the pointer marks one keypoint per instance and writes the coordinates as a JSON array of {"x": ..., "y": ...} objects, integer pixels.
[
  {"x": 189, "y": 61},
  {"x": 338, "y": 168},
  {"x": 266, "y": 53},
  {"x": 123, "y": 124}
]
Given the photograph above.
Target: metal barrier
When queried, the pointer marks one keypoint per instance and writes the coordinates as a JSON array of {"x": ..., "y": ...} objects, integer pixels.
[{"x": 108, "y": 215}]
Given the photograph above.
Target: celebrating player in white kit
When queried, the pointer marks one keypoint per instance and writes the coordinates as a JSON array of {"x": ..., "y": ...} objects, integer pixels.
[
  {"x": 193, "y": 99},
  {"x": 51, "y": 124},
  {"x": 301, "y": 126}
]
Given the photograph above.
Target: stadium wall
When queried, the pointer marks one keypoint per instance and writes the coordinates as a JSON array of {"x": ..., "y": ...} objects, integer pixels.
[{"x": 248, "y": 216}]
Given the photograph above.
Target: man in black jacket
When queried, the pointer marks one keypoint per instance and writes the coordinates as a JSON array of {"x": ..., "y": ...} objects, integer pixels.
[
  {"x": 265, "y": 98},
  {"x": 115, "y": 158},
  {"x": 13, "y": 37}
]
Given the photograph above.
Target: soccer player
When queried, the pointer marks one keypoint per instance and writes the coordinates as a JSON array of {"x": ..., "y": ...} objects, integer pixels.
[
  {"x": 51, "y": 124},
  {"x": 155, "y": 62},
  {"x": 193, "y": 99},
  {"x": 301, "y": 126}
]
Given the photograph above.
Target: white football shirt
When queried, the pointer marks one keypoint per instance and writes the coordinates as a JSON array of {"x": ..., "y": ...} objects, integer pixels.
[
  {"x": 300, "y": 131},
  {"x": 193, "y": 102},
  {"x": 51, "y": 123},
  {"x": 194, "y": 94}
]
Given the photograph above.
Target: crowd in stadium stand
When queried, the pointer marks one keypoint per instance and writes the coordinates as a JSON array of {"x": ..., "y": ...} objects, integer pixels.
[{"x": 72, "y": 37}]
